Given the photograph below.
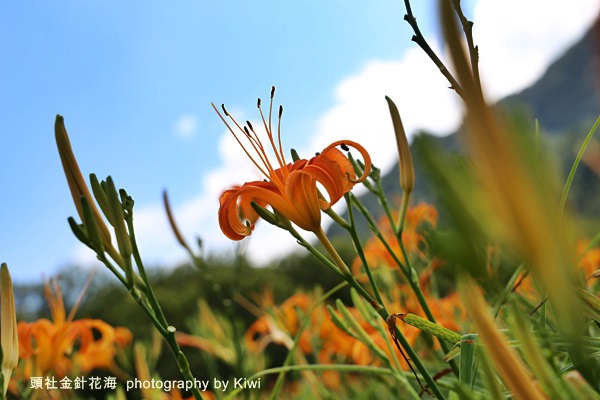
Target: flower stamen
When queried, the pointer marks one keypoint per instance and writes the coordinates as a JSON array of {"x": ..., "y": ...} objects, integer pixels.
[
  {"x": 256, "y": 164},
  {"x": 279, "y": 136},
  {"x": 268, "y": 128}
]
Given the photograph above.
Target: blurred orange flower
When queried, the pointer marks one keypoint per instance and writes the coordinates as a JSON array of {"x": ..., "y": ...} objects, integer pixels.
[
  {"x": 590, "y": 262},
  {"x": 412, "y": 237},
  {"x": 330, "y": 344},
  {"x": 62, "y": 345},
  {"x": 279, "y": 324}
]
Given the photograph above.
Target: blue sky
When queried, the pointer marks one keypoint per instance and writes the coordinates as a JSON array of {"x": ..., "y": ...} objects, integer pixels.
[{"x": 134, "y": 81}]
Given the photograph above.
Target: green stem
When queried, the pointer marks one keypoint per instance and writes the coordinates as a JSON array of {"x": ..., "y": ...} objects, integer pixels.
[
  {"x": 359, "y": 249},
  {"x": 158, "y": 318},
  {"x": 377, "y": 232},
  {"x": 508, "y": 288},
  {"x": 345, "y": 271},
  {"x": 407, "y": 269},
  {"x": 334, "y": 367},
  {"x": 102, "y": 257},
  {"x": 337, "y": 219},
  {"x": 419, "y": 39},
  {"x": 183, "y": 364},
  {"x": 384, "y": 203},
  {"x": 380, "y": 309},
  {"x": 412, "y": 356},
  {"x": 402, "y": 217},
  {"x": 416, "y": 287},
  {"x": 138, "y": 261},
  {"x": 305, "y": 322},
  {"x": 565, "y": 193},
  {"x": 304, "y": 243}
]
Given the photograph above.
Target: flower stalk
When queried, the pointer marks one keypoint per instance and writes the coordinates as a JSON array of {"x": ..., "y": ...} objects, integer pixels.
[{"x": 117, "y": 207}]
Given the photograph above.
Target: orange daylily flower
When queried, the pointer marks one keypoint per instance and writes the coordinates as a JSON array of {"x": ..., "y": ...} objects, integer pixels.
[
  {"x": 412, "y": 237},
  {"x": 590, "y": 261},
  {"x": 329, "y": 344},
  {"x": 63, "y": 344},
  {"x": 289, "y": 188},
  {"x": 588, "y": 264},
  {"x": 246, "y": 212}
]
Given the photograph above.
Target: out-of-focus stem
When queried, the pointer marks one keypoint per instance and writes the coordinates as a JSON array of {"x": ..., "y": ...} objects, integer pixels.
[{"x": 380, "y": 309}]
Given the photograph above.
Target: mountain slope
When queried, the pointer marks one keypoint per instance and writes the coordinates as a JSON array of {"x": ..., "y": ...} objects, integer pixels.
[
  {"x": 566, "y": 102},
  {"x": 567, "y": 96}
]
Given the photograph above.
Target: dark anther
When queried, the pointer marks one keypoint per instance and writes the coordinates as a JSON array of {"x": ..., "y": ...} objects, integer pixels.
[
  {"x": 247, "y": 132},
  {"x": 272, "y": 91},
  {"x": 224, "y": 110},
  {"x": 317, "y": 153},
  {"x": 250, "y": 125},
  {"x": 280, "y": 111},
  {"x": 344, "y": 147},
  {"x": 258, "y": 103}
]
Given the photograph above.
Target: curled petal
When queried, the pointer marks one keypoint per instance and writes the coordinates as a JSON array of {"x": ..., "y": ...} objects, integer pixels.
[
  {"x": 246, "y": 211},
  {"x": 334, "y": 171},
  {"x": 97, "y": 347},
  {"x": 229, "y": 220},
  {"x": 267, "y": 193},
  {"x": 363, "y": 152},
  {"x": 292, "y": 191}
]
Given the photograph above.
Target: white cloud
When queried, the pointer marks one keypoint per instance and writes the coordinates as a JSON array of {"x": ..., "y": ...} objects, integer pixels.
[
  {"x": 517, "y": 40},
  {"x": 186, "y": 126},
  {"x": 361, "y": 112}
]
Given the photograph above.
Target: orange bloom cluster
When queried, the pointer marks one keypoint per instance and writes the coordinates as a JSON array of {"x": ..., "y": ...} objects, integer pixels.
[
  {"x": 525, "y": 287},
  {"x": 412, "y": 237},
  {"x": 322, "y": 338},
  {"x": 66, "y": 346},
  {"x": 590, "y": 262},
  {"x": 330, "y": 344},
  {"x": 281, "y": 323},
  {"x": 448, "y": 311}
]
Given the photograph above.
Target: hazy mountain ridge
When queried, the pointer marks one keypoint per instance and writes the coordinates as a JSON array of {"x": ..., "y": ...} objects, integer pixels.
[{"x": 566, "y": 102}]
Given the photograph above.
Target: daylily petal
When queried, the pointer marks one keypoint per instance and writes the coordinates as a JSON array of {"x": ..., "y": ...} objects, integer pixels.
[
  {"x": 297, "y": 208},
  {"x": 229, "y": 221},
  {"x": 332, "y": 170},
  {"x": 363, "y": 152},
  {"x": 62, "y": 344},
  {"x": 229, "y": 214},
  {"x": 245, "y": 209},
  {"x": 229, "y": 211},
  {"x": 301, "y": 189}
]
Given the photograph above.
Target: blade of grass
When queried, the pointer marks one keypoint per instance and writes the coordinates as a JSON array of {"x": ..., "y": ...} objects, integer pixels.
[{"x": 569, "y": 181}]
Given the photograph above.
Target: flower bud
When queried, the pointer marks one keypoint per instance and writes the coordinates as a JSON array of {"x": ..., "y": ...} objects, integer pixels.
[
  {"x": 407, "y": 172},
  {"x": 9, "y": 339}
]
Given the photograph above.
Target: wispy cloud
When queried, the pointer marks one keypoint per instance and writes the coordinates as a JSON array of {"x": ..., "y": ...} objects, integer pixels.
[{"x": 186, "y": 126}]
